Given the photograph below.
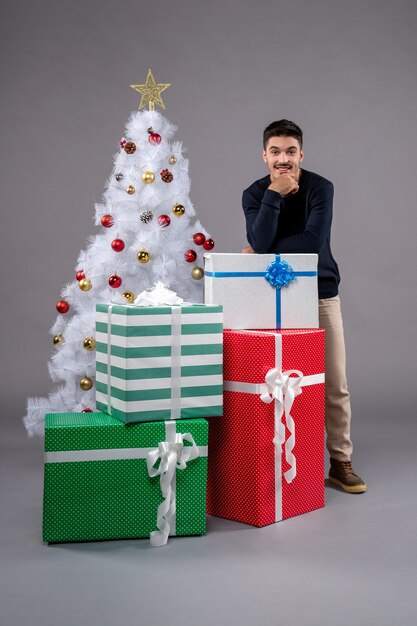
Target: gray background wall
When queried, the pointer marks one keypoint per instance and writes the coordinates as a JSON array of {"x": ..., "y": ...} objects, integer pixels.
[{"x": 345, "y": 71}]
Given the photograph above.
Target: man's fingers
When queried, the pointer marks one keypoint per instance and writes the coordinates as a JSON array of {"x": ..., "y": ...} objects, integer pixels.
[{"x": 284, "y": 184}]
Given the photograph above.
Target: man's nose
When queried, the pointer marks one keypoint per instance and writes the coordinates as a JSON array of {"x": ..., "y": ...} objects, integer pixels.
[{"x": 282, "y": 157}]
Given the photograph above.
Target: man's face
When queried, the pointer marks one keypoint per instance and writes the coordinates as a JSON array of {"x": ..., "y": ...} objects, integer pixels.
[{"x": 283, "y": 155}]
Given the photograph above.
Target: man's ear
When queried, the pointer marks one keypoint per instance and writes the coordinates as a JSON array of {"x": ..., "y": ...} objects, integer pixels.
[
  {"x": 264, "y": 156},
  {"x": 301, "y": 155}
]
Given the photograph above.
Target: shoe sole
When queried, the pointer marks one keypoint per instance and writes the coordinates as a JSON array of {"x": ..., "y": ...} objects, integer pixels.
[{"x": 348, "y": 488}]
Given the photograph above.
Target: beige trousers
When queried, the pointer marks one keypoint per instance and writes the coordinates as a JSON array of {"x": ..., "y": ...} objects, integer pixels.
[{"x": 338, "y": 412}]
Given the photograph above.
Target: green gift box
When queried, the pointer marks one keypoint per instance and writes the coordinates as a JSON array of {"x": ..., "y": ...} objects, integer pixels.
[
  {"x": 107, "y": 480},
  {"x": 159, "y": 362}
]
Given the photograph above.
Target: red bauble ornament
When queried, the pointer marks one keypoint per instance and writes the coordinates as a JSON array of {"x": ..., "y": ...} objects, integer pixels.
[
  {"x": 199, "y": 239},
  {"x": 118, "y": 245},
  {"x": 115, "y": 281},
  {"x": 62, "y": 306},
  {"x": 154, "y": 138},
  {"x": 164, "y": 220},
  {"x": 190, "y": 256},
  {"x": 107, "y": 221},
  {"x": 208, "y": 244},
  {"x": 79, "y": 275},
  {"x": 87, "y": 411}
]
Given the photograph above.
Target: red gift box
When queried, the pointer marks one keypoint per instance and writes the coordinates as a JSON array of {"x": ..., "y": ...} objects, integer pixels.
[{"x": 267, "y": 451}]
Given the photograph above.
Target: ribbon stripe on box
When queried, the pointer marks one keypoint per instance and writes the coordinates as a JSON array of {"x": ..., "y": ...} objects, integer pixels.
[
  {"x": 282, "y": 388},
  {"x": 175, "y": 378}
]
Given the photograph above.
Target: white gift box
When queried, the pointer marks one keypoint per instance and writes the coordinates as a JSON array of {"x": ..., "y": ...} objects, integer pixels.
[{"x": 263, "y": 290}]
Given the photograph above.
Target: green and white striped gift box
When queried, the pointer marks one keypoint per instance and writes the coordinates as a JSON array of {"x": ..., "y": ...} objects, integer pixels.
[{"x": 159, "y": 362}]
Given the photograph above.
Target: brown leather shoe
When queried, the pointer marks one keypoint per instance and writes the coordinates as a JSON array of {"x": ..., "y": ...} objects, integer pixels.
[{"x": 342, "y": 474}]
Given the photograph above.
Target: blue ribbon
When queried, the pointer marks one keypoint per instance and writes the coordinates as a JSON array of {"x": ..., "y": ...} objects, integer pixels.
[{"x": 279, "y": 274}]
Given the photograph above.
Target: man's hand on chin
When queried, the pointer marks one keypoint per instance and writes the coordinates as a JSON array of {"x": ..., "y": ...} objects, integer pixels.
[{"x": 285, "y": 184}]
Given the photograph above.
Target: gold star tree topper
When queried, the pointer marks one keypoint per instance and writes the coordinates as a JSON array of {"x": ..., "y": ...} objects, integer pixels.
[{"x": 151, "y": 92}]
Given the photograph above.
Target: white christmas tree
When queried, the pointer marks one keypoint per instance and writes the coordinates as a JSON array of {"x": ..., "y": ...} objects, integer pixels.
[{"x": 148, "y": 233}]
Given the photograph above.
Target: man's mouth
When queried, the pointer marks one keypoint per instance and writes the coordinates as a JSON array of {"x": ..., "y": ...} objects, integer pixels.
[{"x": 282, "y": 168}]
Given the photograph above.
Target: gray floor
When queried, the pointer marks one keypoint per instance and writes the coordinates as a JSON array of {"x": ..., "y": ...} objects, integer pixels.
[{"x": 352, "y": 563}]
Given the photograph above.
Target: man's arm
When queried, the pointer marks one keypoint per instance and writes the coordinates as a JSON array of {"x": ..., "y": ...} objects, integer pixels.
[{"x": 261, "y": 219}]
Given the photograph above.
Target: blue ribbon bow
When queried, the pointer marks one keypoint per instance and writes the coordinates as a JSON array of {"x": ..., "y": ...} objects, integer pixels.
[{"x": 279, "y": 274}]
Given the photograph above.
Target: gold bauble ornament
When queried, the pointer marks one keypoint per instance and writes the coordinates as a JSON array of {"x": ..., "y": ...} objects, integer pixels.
[
  {"x": 85, "y": 284},
  {"x": 148, "y": 177},
  {"x": 178, "y": 209},
  {"x": 197, "y": 273},
  {"x": 57, "y": 340},
  {"x": 130, "y": 190},
  {"x": 143, "y": 256},
  {"x": 86, "y": 383},
  {"x": 89, "y": 343},
  {"x": 129, "y": 296},
  {"x": 172, "y": 159}
]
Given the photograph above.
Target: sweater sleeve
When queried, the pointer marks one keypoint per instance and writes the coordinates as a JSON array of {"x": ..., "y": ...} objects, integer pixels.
[
  {"x": 261, "y": 219},
  {"x": 318, "y": 225}
]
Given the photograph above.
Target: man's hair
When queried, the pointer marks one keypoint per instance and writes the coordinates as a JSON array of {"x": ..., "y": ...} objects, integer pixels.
[{"x": 283, "y": 128}]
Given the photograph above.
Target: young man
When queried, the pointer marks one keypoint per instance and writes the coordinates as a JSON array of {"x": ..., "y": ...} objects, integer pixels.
[{"x": 290, "y": 210}]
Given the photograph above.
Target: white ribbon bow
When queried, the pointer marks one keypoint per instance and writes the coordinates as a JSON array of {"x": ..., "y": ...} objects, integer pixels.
[
  {"x": 158, "y": 295},
  {"x": 283, "y": 388},
  {"x": 172, "y": 455}
]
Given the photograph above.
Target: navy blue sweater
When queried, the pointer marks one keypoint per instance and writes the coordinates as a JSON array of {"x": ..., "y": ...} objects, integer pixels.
[{"x": 299, "y": 223}]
